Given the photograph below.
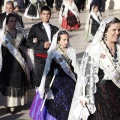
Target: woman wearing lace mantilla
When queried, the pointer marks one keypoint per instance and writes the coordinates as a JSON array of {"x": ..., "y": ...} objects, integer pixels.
[
  {"x": 69, "y": 15},
  {"x": 100, "y": 68},
  {"x": 58, "y": 81},
  {"x": 14, "y": 72},
  {"x": 92, "y": 23}
]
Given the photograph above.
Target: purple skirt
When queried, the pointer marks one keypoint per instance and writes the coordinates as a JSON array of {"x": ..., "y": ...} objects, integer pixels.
[
  {"x": 35, "y": 112},
  {"x": 57, "y": 108}
]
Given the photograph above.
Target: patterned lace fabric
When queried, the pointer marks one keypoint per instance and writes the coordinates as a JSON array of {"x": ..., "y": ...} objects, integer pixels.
[
  {"x": 63, "y": 89},
  {"x": 13, "y": 82},
  {"x": 107, "y": 101}
]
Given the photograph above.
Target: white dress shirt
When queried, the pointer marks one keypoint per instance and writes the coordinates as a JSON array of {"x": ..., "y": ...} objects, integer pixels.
[{"x": 48, "y": 31}]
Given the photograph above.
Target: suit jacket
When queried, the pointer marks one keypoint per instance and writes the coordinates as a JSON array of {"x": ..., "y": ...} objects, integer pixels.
[
  {"x": 3, "y": 16},
  {"x": 38, "y": 31}
]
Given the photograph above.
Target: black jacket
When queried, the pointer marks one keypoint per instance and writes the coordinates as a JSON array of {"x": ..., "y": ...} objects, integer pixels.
[{"x": 38, "y": 31}]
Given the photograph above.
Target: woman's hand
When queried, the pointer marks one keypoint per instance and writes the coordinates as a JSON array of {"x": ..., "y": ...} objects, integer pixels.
[
  {"x": 35, "y": 40},
  {"x": 83, "y": 103},
  {"x": 47, "y": 45}
]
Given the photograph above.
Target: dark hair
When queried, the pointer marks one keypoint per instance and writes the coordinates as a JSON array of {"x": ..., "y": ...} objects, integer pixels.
[
  {"x": 8, "y": 17},
  {"x": 46, "y": 8},
  {"x": 10, "y": 3},
  {"x": 115, "y": 20},
  {"x": 61, "y": 32},
  {"x": 95, "y": 6}
]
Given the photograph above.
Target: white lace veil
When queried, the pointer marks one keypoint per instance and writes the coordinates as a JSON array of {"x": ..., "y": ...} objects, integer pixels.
[
  {"x": 100, "y": 32},
  {"x": 18, "y": 26},
  {"x": 86, "y": 71},
  {"x": 2, "y": 36}
]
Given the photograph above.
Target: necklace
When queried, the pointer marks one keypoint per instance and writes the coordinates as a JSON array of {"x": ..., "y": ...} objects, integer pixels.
[
  {"x": 115, "y": 59},
  {"x": 66, "y": 58},
  {"x": 12, "y": 35},
  {"x": 14, "y": 39}
]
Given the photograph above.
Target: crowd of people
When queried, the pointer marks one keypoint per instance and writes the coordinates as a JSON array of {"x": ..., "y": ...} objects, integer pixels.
[{"x": 65, "y": 89}]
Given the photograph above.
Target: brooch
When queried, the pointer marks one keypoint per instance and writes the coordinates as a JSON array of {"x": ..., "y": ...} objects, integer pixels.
[
  {"x": 6, "y": 42},
  {"x": 60, "y": 59},
  {"x": 102, "y": 55}
]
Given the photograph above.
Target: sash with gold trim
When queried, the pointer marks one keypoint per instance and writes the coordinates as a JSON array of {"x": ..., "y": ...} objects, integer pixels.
[{"x": 64, "y": 65}]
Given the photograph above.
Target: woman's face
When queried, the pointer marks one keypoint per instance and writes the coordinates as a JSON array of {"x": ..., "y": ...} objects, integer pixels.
[
  {"x": 95, "y": 9},
  {"x": 113, "y": 32},
  {"x": 69, "y": 0},
  {"x": 64, "y": 40},
  {"x": 12, "y": 22}
]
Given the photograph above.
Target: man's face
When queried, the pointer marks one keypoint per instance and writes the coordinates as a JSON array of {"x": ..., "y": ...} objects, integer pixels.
[
  {"x": 45, "y": 16},
  {"x": 9, "y": 8}
]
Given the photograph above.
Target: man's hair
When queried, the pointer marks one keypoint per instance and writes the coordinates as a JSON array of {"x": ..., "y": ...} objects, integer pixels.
[
  {"x": 45, "y": 8},
  {"x": 10, "y": 3}
]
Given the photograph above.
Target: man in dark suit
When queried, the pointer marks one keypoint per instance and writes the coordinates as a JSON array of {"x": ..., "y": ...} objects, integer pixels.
[
  {"x": 50, "y": 3},
  {"x": 77, "y": 2},
  {"x": 1, "y": 4},
  {"x": 82, "y": 4},
  {"x": 9, "y": 9},
  {"x": 39, "y": 39},
  {"x": 103, "y": 5}
]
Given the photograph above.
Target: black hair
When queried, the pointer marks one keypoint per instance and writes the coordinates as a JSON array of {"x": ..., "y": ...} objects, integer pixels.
[
  {"x": 95, "y": 6},
  {"x": 115, "y": 20},
  {"x": 8, "y": 17},
  {"x": 10, "y": 3},
  {"x": 62, "y": 32},
  {"x": 45, "y": 8}
]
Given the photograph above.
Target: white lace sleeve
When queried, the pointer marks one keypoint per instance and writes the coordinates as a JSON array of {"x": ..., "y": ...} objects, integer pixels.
[{"x": 84, "y": 78}]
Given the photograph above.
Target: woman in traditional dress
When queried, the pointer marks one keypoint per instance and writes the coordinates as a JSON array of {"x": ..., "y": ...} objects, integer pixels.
[
  {"x": 100, "y": 68},
  {"x": 14, "y": 72},
  {"x": 58, "y": 81},
  {"x": 69, "y": 15},
  {"x": 92, "y": 23},
  {"x": 32, "y": 11}
]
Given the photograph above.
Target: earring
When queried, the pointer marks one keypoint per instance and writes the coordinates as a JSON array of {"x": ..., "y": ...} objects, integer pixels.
[
  {"x": 58, "y": 45},
  {"x": 105, "y": 38}
]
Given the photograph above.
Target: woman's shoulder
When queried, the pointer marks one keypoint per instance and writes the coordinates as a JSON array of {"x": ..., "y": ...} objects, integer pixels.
[
  {"x": 19, "y": 31},
  {"x": 54, "y": 52},
  {"x": 20, "y": 34}
]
